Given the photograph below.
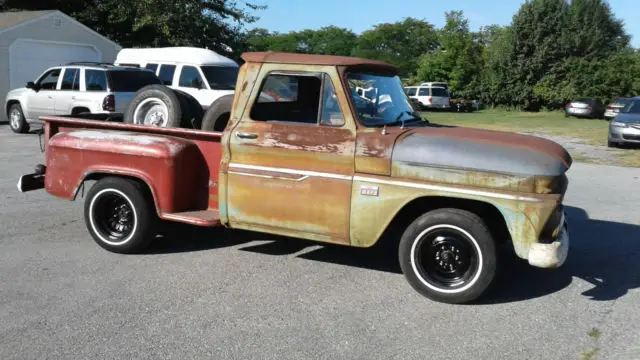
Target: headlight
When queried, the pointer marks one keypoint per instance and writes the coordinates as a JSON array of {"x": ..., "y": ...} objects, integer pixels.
[{"x": 618, "y": 124}]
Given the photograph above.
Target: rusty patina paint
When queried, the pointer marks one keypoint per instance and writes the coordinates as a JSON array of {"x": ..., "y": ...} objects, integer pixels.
[
  {"x": 171, "y": 161},
  {"x": 261, "y": 191},
  {"x": 301, "y": 180}
]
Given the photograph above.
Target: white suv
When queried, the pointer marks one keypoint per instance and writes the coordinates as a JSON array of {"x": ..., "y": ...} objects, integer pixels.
[
  {"x": 75, "y": 88},
  {"x": 201, "y": 73},
  {"x": 430, "y": 96}
]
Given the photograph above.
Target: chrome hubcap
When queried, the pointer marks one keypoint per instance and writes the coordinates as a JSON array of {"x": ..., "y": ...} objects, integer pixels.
[
  {"x": 15, "y": 117},
  {"x": 151, "y": 112}
]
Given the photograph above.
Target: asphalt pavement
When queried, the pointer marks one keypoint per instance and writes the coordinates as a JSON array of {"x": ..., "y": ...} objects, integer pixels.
[{"x": 219, "y": 294}]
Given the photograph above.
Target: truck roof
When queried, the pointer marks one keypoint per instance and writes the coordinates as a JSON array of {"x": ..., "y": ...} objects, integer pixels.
[
  {"x": 177, "y": 54},
  {"x": 313, "y": 59}
]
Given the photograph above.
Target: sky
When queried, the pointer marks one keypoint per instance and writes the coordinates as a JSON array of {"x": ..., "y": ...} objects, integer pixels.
[{"x": 361, "y": 15}]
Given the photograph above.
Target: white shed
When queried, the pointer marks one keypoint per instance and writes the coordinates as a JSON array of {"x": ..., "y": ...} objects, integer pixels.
[{"x": 31, "y": 41}]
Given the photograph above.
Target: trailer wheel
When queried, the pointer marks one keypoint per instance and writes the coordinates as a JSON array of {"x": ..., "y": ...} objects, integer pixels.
[
  {"x": 155, "y": 105},
  {"x": 448, "y": 255},
  {"x": 217, "y": 116},
  {"x": 119, "y": 215}
]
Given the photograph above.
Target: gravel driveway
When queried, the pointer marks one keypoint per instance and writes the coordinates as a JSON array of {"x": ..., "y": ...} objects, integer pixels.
[{"x": 237, "y": 295}]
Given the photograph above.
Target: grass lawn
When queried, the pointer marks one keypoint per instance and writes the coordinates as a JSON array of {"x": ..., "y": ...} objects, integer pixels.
[{"x": 590, "y": 135}]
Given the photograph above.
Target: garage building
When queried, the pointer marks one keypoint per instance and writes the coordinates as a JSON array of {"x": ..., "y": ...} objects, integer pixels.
[{"x": 31, "y": 41}]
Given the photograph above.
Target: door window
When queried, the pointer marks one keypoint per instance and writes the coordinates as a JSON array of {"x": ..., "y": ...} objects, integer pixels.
[
  {"x": 49, "y": 80},
  {"x": 423, "y": 92},
  {"x": 331, "y": 112},
  {"x": 301, "y": 98},
  {"x": 190, "y": 77},
  {"x": 166, "y": 74},
  {"x": 71, "y": 79},
  {"x": 152, "y": 67}
]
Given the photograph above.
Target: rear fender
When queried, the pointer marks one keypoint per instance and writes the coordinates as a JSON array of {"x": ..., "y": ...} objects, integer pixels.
[{"x": 173, "y": 168}]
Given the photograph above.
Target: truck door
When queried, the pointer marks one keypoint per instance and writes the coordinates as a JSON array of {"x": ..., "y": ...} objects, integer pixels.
[{"x": 291, "y": 161}]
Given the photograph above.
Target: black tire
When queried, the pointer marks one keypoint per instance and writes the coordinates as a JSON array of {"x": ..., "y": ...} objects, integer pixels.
[
  {"x": 119, "y": 215},
  {"x": 611, "y": 144},
  {"x": 192, "y": 110},
  {"x": 18, "y": 125},
  {"x": 217, "y": 116},
  {"x": 450, "y": 238},
  {"x": 151, "y": 94}
]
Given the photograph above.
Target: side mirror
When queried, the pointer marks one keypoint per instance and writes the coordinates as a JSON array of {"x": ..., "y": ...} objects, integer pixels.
[{"x": 31, "y": 85}]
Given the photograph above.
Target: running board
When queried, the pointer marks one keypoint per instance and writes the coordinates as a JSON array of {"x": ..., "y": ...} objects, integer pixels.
[{"x": 200, "y": 218}]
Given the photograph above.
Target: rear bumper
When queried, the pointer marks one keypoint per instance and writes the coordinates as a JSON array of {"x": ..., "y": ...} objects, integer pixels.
[
  {"x": 551, "y": 255},
  {"x": 33, "y": 181}
]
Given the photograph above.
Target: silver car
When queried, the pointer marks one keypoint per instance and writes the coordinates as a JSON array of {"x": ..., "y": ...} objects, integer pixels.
[{"x": 625, "y": 127}]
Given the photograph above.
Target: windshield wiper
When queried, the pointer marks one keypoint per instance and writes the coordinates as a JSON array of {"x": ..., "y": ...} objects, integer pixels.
[{"x": 414, "y": 117}]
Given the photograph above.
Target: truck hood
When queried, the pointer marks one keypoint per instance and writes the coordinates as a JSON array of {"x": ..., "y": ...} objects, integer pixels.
[{"x": 479, "y": 151}]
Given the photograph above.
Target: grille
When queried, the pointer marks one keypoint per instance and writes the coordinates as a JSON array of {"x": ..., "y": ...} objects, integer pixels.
[{"x": 630, "y": 137}]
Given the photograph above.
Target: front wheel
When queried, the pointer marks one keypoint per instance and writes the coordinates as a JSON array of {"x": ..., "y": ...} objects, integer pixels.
[
  {"x": 448, "y": 255},
  {"x": 17, "y": 122},
  {"x": 119, "y": 215}
]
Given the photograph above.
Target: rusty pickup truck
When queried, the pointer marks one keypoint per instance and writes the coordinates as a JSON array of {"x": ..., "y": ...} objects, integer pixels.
[{"x": 313, "y": 160}]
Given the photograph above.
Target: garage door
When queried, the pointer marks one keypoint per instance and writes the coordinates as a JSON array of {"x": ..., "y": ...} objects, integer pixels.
[{"x": 29, "y": 58}]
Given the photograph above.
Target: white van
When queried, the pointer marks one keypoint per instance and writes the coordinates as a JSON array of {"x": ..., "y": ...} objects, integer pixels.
[
  {"x": 202, "y": 73},
  {"x": 430, "y": 97}
]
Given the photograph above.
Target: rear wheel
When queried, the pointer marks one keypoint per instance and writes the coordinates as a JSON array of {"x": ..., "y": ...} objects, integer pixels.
[
  {"x": 119, "y": 215},
  {"x": 449, "y": 255},
  {"x": 17, "y": 121}
]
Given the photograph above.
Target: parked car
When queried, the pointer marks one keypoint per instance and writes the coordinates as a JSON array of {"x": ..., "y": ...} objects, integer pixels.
[
  {"x": 77, "y": 87},
  {"x": 429, "y": 97},
  {"x": 585, "y": 108},
  {"x": 625, "y": 127},
  {"x": 320, "y": 168},
  {"x": 614, "y": 108},
  {"x": 202, "y": 73}
]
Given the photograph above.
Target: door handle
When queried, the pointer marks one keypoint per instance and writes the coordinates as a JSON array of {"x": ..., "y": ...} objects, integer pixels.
[
  {"x": 246, "y": 135},
  {"x": 73, "y": 98}
]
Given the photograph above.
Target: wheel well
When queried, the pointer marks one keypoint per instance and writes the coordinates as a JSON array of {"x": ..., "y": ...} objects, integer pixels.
[
  {"x": 9, "y": 103},
  {"x": 411, "y": 211},
  {"x": 79, "y": 109},
  {"x": 99, "y": 176}
]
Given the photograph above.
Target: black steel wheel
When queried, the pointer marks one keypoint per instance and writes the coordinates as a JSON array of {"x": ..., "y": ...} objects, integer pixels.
[
  {"x": 449, "y": 255},
  {"x": 119, "y": 215}
]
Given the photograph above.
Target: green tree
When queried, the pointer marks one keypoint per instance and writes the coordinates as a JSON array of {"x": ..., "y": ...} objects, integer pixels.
[
  {"x": 215, "y": 24},
  {"x": 402, "y": 43},
  {"x": 457, "y": 60}
]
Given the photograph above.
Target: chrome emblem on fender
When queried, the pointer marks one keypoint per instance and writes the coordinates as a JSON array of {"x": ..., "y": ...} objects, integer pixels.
[{"x": 368, "y": 190}]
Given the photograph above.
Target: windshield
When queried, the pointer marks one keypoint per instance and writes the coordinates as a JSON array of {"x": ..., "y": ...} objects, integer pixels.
[
  {"x": 221, "y": 77},
  {"x": 131, "y": 81},
  {"x": 633, "y": 107},
  {"x": 388, "y": 104}
]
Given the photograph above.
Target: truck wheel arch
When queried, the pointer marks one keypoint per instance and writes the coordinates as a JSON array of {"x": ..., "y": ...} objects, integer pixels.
[
  {"x": 98, "y": 175},
  {"x": 416, "y": 207},
  {"x": 79, "y": 110}
]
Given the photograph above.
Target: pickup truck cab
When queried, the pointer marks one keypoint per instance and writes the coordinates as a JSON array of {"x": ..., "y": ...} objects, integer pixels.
[{"x": 318, "y": 164}]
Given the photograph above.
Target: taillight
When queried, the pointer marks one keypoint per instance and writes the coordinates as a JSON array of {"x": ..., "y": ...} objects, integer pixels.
[
  {"x": 609, "y": 108},
  {"x": 109, "y": 103},
  {"x": 429, "y": 99}
]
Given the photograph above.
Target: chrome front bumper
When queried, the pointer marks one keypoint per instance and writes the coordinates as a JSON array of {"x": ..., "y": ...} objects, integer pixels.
[{"x": 551, "y": 255}]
